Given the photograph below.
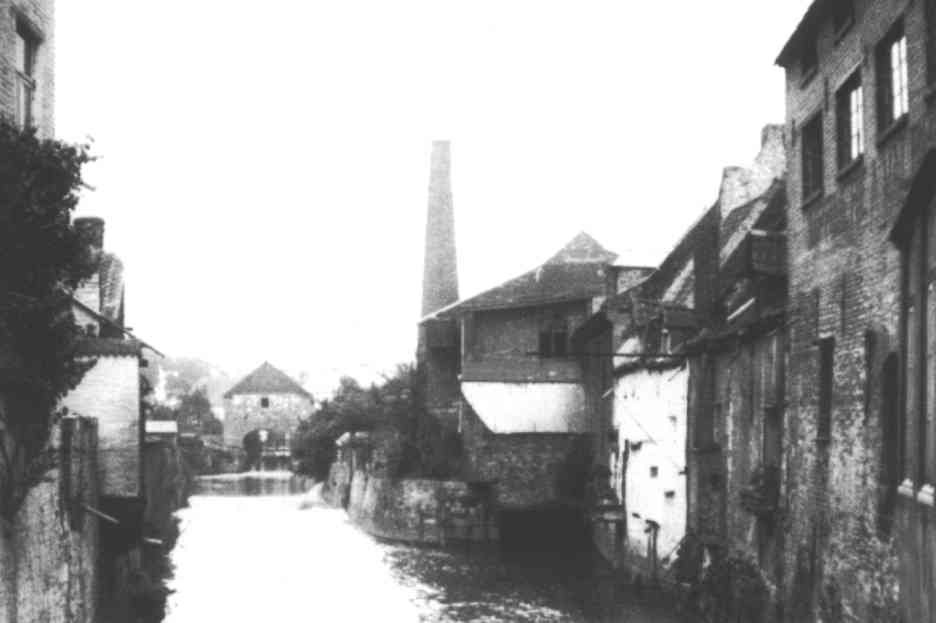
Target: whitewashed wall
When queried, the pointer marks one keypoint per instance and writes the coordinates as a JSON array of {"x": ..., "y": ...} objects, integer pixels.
[
  {"x": 650, "y": 413},
  {"x": 110, "y": 392},
  {"x": 529, "y": 407}
]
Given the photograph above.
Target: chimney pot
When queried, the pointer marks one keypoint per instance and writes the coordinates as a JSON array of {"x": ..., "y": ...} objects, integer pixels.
[{"x": 91, "y": 230}]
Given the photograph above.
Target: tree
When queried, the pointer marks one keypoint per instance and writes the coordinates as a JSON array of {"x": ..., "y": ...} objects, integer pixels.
[
  {"x": 407, "y": 438},
  {"x": 43, "y": 258}
]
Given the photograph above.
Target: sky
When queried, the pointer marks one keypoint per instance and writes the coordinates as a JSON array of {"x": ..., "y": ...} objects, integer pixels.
[{"x": 263, "y": 167}]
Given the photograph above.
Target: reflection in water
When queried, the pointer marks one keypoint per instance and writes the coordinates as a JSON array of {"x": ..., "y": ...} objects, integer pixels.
[
  {"x": 243, "y": 558},
  {"x": 464, "y": 586}
]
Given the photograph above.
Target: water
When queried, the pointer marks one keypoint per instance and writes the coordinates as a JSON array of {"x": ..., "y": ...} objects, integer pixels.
[{"x": 242, "y": 559}]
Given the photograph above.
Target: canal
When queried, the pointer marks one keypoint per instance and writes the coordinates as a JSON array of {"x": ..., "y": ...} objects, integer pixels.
[{"x": 265, "y": 558}]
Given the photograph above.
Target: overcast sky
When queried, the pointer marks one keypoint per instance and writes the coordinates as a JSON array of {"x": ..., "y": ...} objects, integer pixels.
[{"x": 264, "y": 166}]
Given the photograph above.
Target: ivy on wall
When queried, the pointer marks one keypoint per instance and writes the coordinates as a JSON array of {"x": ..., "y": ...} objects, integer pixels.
[{"x": 43, "y": 258}]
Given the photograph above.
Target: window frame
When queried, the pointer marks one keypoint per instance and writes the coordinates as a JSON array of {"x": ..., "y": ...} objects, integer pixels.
[
  {"x": 851, "y": 141},
  {"x": 817, "y": 188},
  {"x": 25, "y": 83},
  {"x": 892, "y": 107},
  {"x": 554, "y": 340}
]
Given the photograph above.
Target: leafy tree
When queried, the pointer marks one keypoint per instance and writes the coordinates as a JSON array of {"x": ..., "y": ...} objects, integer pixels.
[
  {"x": 194, "y": 414},
  {"x": 43, "y": 258},
  {"x": 408, "y": 439}
]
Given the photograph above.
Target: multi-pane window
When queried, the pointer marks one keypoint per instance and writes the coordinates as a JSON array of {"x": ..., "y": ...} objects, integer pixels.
[
  {"x": 812, "y": 157},
  {"x": 25, "y": 49},
  {"x": 850, "y": 113},
  {"x": 554, "y": 340},
  {"x": 894, "y": 97}
]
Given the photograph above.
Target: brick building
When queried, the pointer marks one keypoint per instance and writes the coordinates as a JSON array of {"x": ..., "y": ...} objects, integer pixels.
[
  {"x": 269, "y": 404},
  {"x": 861, "y": 436},
  {"x": 27, "y": 62}
]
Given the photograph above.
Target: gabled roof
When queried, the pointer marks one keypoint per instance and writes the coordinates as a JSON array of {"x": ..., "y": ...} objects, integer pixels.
[
  {"x": 577, "y": 271},
  {"x": 267, "y": 379}
]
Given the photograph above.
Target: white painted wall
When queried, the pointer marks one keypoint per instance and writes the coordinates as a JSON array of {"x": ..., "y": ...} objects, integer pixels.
[
  {"x": 110, "y": 392},
  {"x": 529, "y": 407},
  {"x": 650, "y": 410}
]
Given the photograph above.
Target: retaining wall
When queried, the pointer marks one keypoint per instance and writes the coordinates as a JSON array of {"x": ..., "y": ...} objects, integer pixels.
[
  {"x": 48, "y": 554},
  {"x": 412, "y": 510}
]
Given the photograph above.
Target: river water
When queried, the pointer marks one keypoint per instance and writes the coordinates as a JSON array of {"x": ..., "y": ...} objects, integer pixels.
[{"x": 266, "y": 559}]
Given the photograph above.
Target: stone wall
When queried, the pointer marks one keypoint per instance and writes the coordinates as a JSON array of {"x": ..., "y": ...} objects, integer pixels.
[
  {"x": 48, "y": 555},
  {"x": 526, "y": 470},
  {"x": 423, "y": 511},
  {"x": 39, "y": 16},
  {"x": 412, "y": 510},
  {"x": 244, "y": 413}
]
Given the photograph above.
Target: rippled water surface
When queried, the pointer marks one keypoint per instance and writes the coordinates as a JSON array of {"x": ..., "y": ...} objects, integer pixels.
[{"x": 264, "y": 559}]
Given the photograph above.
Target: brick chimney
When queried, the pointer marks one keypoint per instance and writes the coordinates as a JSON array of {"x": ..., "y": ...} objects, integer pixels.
[
  {"x": 440, "y": 270},
  {"x": 91, "y": 230}
]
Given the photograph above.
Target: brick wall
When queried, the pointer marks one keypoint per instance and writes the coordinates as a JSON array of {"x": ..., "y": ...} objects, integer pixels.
[
  {"x": 110, "y": 392},
  {"x": 244, "y": 413},
  {"x": 40, "y": 16},
  {"x": 844, "y": 284}
]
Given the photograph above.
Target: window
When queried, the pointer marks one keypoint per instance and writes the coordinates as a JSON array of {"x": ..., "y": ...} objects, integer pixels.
[
  {"x": 264, "y": 402},
  {"x": 891, "y": 434},
  {"x": 812, "y": 157},
  {"x": 843, "y": 15},
  {"x": 810, "y": 59},
  {"x": 554, "y": 340},
  {"x": 916, "y": 425},
  {"x": 26, "y": 48},
  {"x": 894, "y": 100},
  {"x": 826, "y": 382},
  {"x": 850, "y": 114}
]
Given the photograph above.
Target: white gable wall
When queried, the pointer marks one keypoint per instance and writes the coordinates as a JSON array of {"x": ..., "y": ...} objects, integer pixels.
[{"x": 650, "y": 414}]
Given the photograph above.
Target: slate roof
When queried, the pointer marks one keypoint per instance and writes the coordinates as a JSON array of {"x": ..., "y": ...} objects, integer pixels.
[
  {"x": 267, "y": 379},
  {"x": 577, "y": 271}
]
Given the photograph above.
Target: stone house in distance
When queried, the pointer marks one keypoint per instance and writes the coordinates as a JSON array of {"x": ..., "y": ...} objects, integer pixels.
[{"x": 269, "y": 404}]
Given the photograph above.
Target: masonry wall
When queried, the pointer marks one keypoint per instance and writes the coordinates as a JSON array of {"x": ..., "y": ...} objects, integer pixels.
[
  {"x": 650, "y": 416},
  {"x": 48, "y": 555},
  {"x": 110, "y": 392},
  {"x": 419, "y": 510},
  {"x": 40, "y": 15},
  {"x": 527, "y": 470},
  {"x": 501, "y": 345},
  {"x": 244, "y": 413},
  {"x": 845, "y": 284}
]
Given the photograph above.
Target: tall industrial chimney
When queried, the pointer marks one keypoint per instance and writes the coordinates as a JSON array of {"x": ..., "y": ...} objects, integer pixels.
[{"x": 440, "y": 270}]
